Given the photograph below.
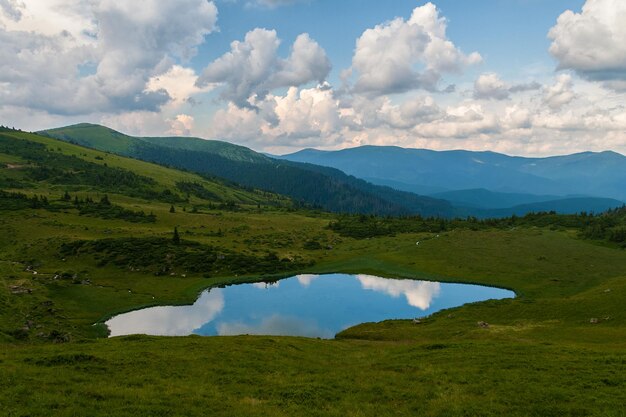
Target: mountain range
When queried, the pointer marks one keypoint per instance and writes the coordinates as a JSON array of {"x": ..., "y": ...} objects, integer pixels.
[
  {"x": 428, "y": 172},
  {"x": 307, "y": 184},
  {"x": 387, "y": 180},
  {"x": 481, "y": 179}
]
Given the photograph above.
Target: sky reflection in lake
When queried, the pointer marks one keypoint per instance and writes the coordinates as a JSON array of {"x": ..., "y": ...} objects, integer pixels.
[{"x": 305, "y": 305}]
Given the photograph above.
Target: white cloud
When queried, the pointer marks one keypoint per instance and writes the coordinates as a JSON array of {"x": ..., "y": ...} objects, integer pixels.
[
  {"x": 489, "y": 86},
  {"x": 82, "y": 57},
  {"x": 12, "y": 9},
  {"x": 147, "y": 123},
  {"x": 182, "y": 125},
  {"x": 593, "y": 42},
  {"x": 558, "y": 118},
  {"x": 559, "y": 94},
  {"x": 300, "y": 117},
  {"x": 403, "y": 55},
  {"x": 179, "y": 83},
  {"x": 253, "y": 69}
]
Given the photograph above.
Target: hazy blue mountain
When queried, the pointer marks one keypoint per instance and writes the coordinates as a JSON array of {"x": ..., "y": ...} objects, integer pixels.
[
  {"x": 593, "y": 174},
  {"x": 562, "y": 206},
  {"x": 482, "y": 198}
]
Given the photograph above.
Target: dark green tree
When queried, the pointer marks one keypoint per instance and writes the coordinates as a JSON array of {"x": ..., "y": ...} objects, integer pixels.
[
  {"x": 105, "y": 200},
  {"x": 176, "y": 237}
]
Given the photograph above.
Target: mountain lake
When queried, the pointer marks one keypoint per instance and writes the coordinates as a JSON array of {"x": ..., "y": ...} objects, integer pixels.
[{"x": 304, "y": 305}]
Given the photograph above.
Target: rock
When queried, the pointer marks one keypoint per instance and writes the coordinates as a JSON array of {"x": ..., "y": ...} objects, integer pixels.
[
  {"x": 417, "y": 321},
  {"x": 450, "y": 316},
  {"x": 594, "y": 321},
  {"x": 483, "y": 324},
  {"x": 17, "y": 289}
]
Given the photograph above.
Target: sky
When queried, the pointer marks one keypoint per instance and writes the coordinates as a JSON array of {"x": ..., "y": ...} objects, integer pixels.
[{"x": 522, "y": 77}]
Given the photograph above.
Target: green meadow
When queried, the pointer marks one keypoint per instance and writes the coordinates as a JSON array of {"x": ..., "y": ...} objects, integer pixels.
[{"x": 557, "y": 349}]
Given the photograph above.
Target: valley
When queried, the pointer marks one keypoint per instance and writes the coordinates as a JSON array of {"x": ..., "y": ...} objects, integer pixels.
[{"x": 76, "y": 250}]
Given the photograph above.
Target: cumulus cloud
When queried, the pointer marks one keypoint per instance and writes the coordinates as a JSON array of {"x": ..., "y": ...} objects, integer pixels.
[
  {"x": 253, "y": 68},
  {"x": 148, "y": 123},
  {"x": 300, "y": 117},
  {"x": 403, "y": 55},
  {"x": 182, "y": 125},
  {"x": 179, "y": 83},
  {"x": 12, "y": 9},
  {"x": 559, "y": 94},
  {"x": 574, "y": 119},
  {"x": 489, "y": 86},
  {"x": 105, "y": 58},
  {"x": 593, "y": 42}
]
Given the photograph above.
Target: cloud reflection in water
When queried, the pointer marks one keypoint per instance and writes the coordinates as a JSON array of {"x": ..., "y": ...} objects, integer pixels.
[
  {"x": 276, "y": 325},
  {"x": 418, "y": 293},
  {"x": 306, "y": 279},
  {"x": 305, "y": 305},
  {"x": 171, "y": 320}
]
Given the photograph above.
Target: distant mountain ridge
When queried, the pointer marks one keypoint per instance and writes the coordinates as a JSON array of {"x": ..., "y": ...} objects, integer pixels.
[
  {"x": 318, "y": 186},
  {"x": 593, "y": 174}
]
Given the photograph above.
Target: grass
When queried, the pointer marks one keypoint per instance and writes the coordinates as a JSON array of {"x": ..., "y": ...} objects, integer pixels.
[{"x": 541, "y": 355}]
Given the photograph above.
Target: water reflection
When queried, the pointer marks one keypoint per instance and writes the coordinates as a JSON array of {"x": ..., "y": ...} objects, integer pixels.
[
  {"x": 418, "y": 293},
  {"x": 276, "y": 325},
  {"x": 305, "y": 305},
  {"x": 170, "y": 321},
  {"x": 306, "y": 279}
]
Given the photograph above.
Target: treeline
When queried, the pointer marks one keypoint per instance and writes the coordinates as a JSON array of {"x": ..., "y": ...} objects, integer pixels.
[
  {"x": 307, "y": 185},
  {"x": 163, "y": 256},
  {"x": 86, "y": 207},
  {"x": 197, "y": 190},
  {"x": 59, "y": 169},
  {"x": 19, "y": 201},
  {"x": 610, "y": 226},
  {"x": 8, "y": 129},
  {"x": 104, "y": 209}
]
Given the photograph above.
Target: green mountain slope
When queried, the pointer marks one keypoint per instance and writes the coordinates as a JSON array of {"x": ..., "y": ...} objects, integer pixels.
[
  {"x": 30, "y": 161},
  {"x": 326, "y": 188}
]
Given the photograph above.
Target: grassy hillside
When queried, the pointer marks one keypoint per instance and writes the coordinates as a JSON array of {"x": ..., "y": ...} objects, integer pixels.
[
  {"x": 100, "y": 137},
  {"x": 307, "y": 184},
  {"x": 34, "y": 161},
  {"x": 558, "y": 348}
]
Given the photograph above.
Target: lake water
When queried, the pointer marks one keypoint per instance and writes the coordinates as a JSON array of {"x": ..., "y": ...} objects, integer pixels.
[{"x": 305, "y": 305}]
